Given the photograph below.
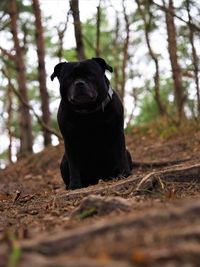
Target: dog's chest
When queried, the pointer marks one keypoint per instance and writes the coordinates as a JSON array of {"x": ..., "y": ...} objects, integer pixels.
[{"x": 94, "y": 136}]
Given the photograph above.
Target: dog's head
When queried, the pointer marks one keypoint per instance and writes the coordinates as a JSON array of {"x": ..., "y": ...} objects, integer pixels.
[{"x": 83, "y": 84}]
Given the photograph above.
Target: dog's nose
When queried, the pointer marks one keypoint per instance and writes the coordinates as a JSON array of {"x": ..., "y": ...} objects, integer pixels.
[{"x": 80, "y": 84}]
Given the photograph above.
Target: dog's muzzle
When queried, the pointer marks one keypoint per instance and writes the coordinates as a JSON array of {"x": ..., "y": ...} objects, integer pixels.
[
  {"x": 87, "y": 109},
  {"x": 82, "y": 94}
]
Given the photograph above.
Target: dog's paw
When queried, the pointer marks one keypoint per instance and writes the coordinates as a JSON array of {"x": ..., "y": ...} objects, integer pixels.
[{"x": 74, "y": 185}]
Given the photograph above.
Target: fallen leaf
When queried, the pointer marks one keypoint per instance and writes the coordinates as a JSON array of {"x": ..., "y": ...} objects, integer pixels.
[
  {"x": 140, "y": 257},
  {"x": 170, "y": 194},
  {"x": 6, "y": 196},
  {"x": 104, "y": 257}
]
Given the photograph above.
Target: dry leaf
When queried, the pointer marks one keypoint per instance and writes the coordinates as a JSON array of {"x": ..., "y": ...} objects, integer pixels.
[
  {"x": 170, "y": 194},
  {"x": 6, "y": 196},
  {"x": 140, "y": 257},
  {"x": 103, "y": 257}
]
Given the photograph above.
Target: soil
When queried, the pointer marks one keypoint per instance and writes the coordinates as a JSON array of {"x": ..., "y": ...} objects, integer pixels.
[{"x": 151, "y": 218}]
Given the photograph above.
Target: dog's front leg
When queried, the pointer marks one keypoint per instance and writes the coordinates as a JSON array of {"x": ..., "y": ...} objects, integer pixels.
[{"x": 75, "y": 178}]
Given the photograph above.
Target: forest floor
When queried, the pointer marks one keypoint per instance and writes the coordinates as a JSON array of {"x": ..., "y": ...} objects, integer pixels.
[{"x": 151, "y": 218}]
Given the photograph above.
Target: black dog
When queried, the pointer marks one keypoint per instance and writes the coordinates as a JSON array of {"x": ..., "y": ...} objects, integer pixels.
[{"x": 90, "y": 118}]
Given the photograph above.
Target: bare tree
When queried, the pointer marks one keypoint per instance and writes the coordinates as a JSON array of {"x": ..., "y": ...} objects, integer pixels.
[
  {"x": 147, "y": 24},
  {"x": 25, "y": 127},
  {"x": 134, "y": 105},
  {"x": 125, "y": 52},
  {"x": 9, "y": 121},
  {"x": 194, "y": 54},
  {"x": 98, "y": 29},
  {"x": 41, "y": 71},
  {"x": 60, "y": 41},
  {"x": 61, "y": 33},
  {"x": 116, "y": 54},
  {"x": 179, "y": 97},
  {"x": 74, "y": 4}
]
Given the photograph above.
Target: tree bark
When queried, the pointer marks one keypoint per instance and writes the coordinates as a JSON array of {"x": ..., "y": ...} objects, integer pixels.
[
  {"x": 135, "y": 98},
  {"x": 194, "y": 54},
  {"x": 61, "y": 34},
  {"x": 125, "y": 53},
  {"x": 9, "y": 121},
  {"x": 25, "y": 126},
  {"x": 98, "y": 29},
  {"x": 74, "y": 4},
  {"x": 179, "y": 97},
  {"x": 161, "y": 105},
  {"x": 60, "y": 44},
  {"x": 41, "y": 71},
  {"x": 116, "y": 55}
]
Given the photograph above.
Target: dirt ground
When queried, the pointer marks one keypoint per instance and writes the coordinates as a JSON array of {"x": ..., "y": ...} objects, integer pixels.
[{"x": 151, "y": 218}]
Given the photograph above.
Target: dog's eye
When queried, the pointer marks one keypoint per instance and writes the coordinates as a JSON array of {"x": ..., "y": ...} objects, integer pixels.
[{"x": 90, "y": 76}]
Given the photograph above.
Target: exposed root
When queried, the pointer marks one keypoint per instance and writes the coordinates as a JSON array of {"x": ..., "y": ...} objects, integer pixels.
[
  {"x": 184, "y": 174},
  {"x": 80, "y": 193},
  {"x": 148, "y": 182},
  {"x": 69, "y": 240},
  {"x": 157, "y": 164}
]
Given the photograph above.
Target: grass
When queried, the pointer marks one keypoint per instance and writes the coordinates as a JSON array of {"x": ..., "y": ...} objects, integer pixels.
[{"x": 164, "y": 128}]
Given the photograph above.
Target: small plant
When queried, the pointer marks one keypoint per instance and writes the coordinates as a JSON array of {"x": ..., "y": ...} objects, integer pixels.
[
  {"x": 15, "y": 252},
  {"x": 168, "y": 132}
]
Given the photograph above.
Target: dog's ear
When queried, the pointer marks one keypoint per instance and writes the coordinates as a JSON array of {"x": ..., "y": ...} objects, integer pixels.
[
  {"x": 102, "y": 63},
  {"x": 57, "y": 70}
]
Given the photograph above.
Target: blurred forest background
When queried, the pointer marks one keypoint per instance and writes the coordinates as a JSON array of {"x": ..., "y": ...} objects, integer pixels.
[{"x": 152, "y": 45}]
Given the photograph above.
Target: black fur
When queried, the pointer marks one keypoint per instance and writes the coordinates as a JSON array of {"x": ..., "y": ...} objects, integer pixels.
[{"x": 93, "y": 135}]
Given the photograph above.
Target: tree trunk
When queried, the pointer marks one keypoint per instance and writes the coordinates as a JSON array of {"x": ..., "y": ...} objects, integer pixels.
[
  {"x": 9, "y": 121},
  {"x": 25, "y": 127},
  {"x": 116, "y": 55},
  {"x": 74, "y": 4},
  {"x": 161, "y": 106},
  {"x": 179, "y": 97},
  {"x": 194, "y": 55},
  {"x": 61, "y": 34},
  {"x": 98, "y": 29},
  {"x": 41, "y": 71},
  {"x": 125, "y": 54},
  {"x": 60, "y": 44}
]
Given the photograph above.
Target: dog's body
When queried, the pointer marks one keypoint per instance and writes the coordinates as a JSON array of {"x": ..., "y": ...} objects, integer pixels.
[{"x": 90, "y": 118}]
